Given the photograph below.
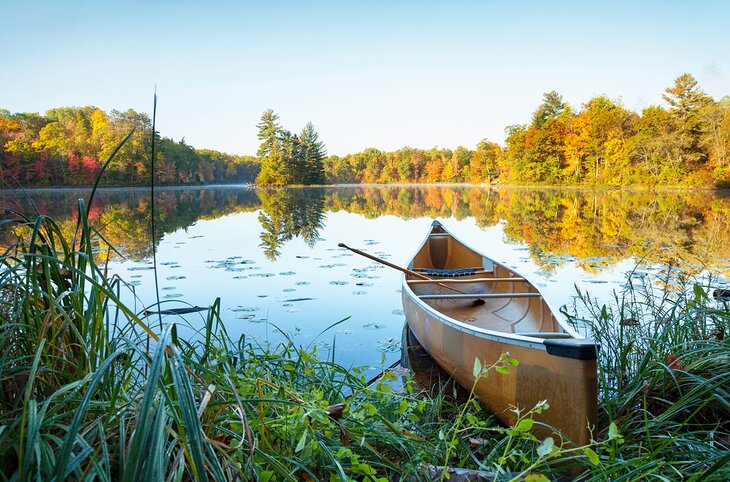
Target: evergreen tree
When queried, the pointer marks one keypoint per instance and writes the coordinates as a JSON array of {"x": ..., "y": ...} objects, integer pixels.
[
  {"x": 270, "y": 153},
  {"x": 313, "y": 154},
  {"x": 685, "y": 97},
  {"x": 687, "y": 100},
  {"x": 269, "y": 131},
  {"x": 293, "y": 159},
  {"x": 550, "y": 108}
]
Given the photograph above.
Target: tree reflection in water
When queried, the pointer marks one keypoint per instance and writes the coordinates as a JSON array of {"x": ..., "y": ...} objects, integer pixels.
[
  {"x": 595, "y": 228},
  {"x": 287, "y": 213}
]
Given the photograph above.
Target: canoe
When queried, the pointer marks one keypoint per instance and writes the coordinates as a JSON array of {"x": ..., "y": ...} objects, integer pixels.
[{"x": 555, "y": 363}]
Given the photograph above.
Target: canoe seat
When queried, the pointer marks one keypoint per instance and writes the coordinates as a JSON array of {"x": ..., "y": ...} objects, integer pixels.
[
  {"x": 448, "y": 272},
  {"x": 544, "y": 334}
]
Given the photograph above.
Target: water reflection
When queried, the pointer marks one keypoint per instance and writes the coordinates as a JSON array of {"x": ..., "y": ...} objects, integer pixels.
[
  {"x": 288, "y": 213},
  {"x": 272, "y": 255},
  {"x": 594, "y": 229}
]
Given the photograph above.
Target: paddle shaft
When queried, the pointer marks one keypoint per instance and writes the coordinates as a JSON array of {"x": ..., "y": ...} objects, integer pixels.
[{"x": 399, "y": 268}]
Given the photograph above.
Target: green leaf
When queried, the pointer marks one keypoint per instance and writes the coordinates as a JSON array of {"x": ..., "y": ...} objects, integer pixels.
[
  {"x": 477, "y": 367},
  {"x": 613, "y": 431},
  {"x": 302, "y": 442},
  {"x": 514, "y": 362},
  {"x": 592, "y": 456},
  {"x": 525, "y": 425},
  {"x": 265, "y": 475},
  {"x": 546, "y": 447},
  {"x": 502, "y": 369},
  {"x": 536, "y": 478},
  {"x": 384, "y": 388}
]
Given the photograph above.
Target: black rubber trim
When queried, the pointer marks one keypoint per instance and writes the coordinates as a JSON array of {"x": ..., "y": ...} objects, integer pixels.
[{"x": 577, "y": 349}]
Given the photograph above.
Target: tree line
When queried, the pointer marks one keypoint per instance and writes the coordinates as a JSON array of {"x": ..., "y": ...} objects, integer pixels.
[
  {"x": 685, "y": 142},
  {"x": 602, "y": 143},
  {"x": 68, "y": 147}
]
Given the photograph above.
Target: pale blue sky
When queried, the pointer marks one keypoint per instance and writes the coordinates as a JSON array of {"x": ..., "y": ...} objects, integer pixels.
[{"x": 380, "y": 74}]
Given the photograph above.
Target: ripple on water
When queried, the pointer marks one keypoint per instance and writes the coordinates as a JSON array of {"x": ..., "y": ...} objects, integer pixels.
[
  {"x": 173, "y": 295},
  {"x": 172, "y": 278},
  {"x": 398, "y": 312},
  {"x": 302, "y": 283},
  {"x": 339, "y": 283},
  {"x": 288, "y": 290},
  {"x": 359, "y": 292},
  {"x": 287, "y": 273},
  {"x": 263, "y": 275}
]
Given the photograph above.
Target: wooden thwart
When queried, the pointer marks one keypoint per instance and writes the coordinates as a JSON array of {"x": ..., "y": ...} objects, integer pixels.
[
  {"x": 465, "y": 280},
  {"x": 480, "y": 295}
]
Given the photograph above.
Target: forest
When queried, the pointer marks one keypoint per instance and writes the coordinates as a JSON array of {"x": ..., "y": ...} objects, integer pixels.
[
  {"x": 602, "y": 143},
  {"x": 68, "y": 147}
]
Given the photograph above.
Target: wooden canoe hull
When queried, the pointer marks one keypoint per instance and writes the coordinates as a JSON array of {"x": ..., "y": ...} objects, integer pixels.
[{"x": 567, "y": 381}]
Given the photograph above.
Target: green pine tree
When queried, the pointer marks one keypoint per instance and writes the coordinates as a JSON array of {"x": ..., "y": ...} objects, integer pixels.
[{"x": 313, "y": 154}]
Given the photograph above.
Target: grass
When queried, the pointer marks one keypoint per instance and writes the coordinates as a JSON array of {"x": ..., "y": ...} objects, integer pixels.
[{"x": 89, "y": 391}]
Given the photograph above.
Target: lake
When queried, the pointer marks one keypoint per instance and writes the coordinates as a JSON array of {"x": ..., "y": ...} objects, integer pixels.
[{"x": 271, "y": 255}]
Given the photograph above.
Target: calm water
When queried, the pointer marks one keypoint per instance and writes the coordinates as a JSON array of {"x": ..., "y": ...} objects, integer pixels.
[{"x": 272, "y": 255}]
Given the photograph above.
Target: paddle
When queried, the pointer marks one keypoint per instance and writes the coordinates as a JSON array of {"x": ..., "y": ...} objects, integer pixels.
[{"x": 405, "y": 270}]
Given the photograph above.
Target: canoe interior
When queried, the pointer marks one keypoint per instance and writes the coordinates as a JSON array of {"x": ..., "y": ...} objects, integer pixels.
[
  {"x": 498, "y": 313},
  {"x": 509, "y": 305}
]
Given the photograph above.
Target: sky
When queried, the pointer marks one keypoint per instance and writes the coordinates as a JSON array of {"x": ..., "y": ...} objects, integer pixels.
[{"x": 384, "y": 74}]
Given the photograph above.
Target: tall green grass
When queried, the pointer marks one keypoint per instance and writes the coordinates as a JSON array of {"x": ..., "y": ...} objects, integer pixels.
[{"x": 664, "y": 380}]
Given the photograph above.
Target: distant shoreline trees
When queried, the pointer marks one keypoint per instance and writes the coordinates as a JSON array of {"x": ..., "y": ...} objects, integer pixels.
[
  {"x": 68, "y": 146},
  {"x": 600, "y": 144}
]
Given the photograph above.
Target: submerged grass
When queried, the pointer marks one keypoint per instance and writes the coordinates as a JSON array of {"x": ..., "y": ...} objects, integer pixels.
[{"x": 84, "y": 396}]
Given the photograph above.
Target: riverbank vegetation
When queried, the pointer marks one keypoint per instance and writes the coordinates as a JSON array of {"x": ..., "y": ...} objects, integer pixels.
[
  {"x": 90, "y": 389},
  {"x": 601, "y": 143}
]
